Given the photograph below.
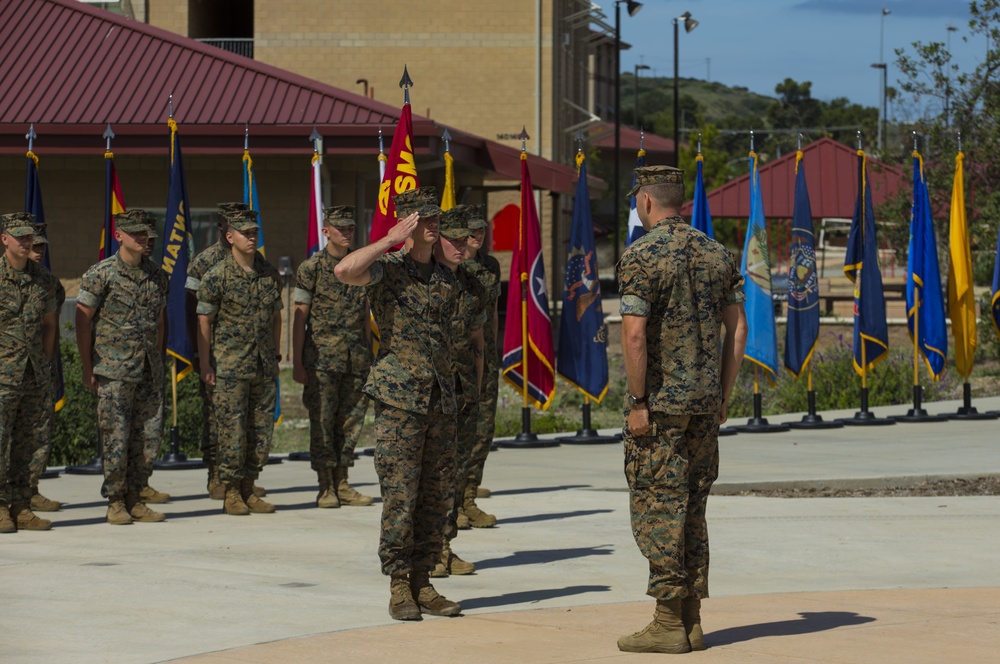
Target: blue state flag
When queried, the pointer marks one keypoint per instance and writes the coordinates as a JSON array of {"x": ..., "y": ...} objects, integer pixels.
[
  {"x": 701, "y": 218},
  {"x": 583, "y": 337},
  {"x": 802, "y": 329},
  {"x": 176, "y": 239},
  {"x": 924, "y": 300},
  {"x": 762, "y": 335},
  {"x": 250, "y": 199},
  {"x": 995, "y": 309},
  {"x": 635, "y": 229},
  {"x": 871, "y": 336},
  {"x": 33, "y": 206}
]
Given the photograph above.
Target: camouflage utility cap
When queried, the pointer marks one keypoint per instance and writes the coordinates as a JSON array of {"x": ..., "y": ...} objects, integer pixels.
[
  {"x": 226, "y": 208},
  {"x": 339, "y": 215},
  {"x": 243, "y": 221},
  {"x": 40, "y": 237},
  {"x": 647, "y": 175},
  {"x": 133, "y": 221},
  {"x": 423, "y": 200},
  {"x": 454, "y": 223},
  {"x": 477, "y": 217},
  {"x": 18, "y": 224}
]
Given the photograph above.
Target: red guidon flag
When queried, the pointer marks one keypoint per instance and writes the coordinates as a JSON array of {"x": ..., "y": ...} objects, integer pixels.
[
  {"x": 400, "y": 175},
  {"x": 528, "y": 357}
]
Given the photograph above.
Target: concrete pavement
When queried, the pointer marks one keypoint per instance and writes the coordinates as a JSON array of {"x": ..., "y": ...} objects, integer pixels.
[{"x": 793, "y": 580}]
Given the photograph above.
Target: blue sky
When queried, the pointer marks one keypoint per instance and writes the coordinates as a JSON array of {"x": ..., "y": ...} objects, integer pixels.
[{"x": 758, "y": 43}]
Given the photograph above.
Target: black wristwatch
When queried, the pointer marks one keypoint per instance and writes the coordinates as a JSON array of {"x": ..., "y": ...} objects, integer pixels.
[{"x": 636, "y": 401}]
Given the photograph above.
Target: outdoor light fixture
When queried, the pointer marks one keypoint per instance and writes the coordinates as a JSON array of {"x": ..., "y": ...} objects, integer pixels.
[{"x": 633, "y": 7}]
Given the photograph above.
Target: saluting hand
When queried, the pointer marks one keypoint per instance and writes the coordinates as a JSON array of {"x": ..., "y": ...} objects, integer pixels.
[{"x": 403, "y": 229}]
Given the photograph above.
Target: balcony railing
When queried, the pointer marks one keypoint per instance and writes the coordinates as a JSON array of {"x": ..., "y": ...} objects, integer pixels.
[{"x": 242, "y": 47}]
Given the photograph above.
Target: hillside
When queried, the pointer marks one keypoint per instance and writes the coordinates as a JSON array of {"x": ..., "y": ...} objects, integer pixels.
[{"x": 712, "y": 100}]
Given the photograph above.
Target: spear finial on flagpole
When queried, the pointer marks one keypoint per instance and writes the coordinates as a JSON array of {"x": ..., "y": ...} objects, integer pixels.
[
  {"x": 170, "y": 105},
  {"x": 859, "y": 140},
  {"x": 446, "y": 137},
  {"x": 406, "y": 83},
  {"x": 108, "y": 135},
  {"x": 524, "y": 138},
  {"x": 246, "y": 137},
  {"x": 751, "y": 140},
  {"x": 31, "y": 136},
  {"x": 699, "y": 142},
  {"x": 578, "y": 137},
  {"x": 381, "y": 145},
  {"x": 317, "y": 141},
  {"x": 914, "y": 132},
  {"x": 798, "y": 142},
  {"x": 642, "y": 138},
  {"x": 959, "y": 140}
]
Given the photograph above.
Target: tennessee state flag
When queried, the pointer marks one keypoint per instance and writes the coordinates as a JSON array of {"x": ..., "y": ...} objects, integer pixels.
[
  {"x": 762, "y": 335},
  {"x": 114, "y": 203},
  {"x": 871, "y": 335},
  {"x": 528, "y": 357},
  {"x": 924, "y": 303},
  {"x": 400, "y": 175},
  {"x": 176, "y": 243}
]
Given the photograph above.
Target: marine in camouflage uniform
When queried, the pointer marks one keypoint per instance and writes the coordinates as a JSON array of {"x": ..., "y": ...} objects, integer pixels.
[
  {"x": 40, "y": 457},
  {"x": 28, "y": 322},
  {"x": 412, "y": 298},
  {"x": 467, "y": 347},
  {"x": 678, "y": 288},
  {"x": 120, "y": 330},
  {"x": 197, "y": 268},
  {"x": 486, "y": 268},
  {"x": 239, "y": 318},
  {"x": 332, "y": 357}
]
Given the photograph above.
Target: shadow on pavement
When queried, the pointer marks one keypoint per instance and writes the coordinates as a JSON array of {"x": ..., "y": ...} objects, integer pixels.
[
  {"x": 543, "y": 556},
  {"x": 171, "y": 516},
  {"x": 807, "y": 624},
  {"x": 529, "y": 596},
  {"x": 551, "y": 516},
  {"x": 539, "y": 489}
]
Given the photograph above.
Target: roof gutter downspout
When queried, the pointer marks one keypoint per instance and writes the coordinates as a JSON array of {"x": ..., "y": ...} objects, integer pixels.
[{"x": 538, "y": 77}]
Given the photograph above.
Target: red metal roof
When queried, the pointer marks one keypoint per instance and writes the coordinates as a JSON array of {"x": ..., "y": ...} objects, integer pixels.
[
  {"x": 70, "y": 69},
  {"x": 832, "y": 177}
]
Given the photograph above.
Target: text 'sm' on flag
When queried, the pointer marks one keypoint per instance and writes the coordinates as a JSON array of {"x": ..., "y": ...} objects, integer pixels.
[
  {"x": 114, "y": 203},
  {"x": 871, "y": 336},
  {"x": 315, "y": 240},
  {"x": 762, "y": 335},
  {"x": 176, "y": 244},
  {"x": 528, "y": 356},
  {"x": 583, "y": 337},
  {"x": 33, "y": 206},
  {"x": 961, "y": 298},
  {"x": 802, "y": 329},
  {"x": 400, "y": 175},
  {"x": 701, "y": 218},
  {"x": 924, "y": 301},
  {"x": 635, "y": 229}
]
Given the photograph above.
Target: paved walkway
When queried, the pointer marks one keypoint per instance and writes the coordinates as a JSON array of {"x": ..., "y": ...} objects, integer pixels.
[{"x": 793, "y": 580}]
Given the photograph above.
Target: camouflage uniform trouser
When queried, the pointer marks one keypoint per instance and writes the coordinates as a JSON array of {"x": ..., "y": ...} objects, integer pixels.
[
  {"x": 415, "y": 461},
  {"x": 25, "y": 418},
  {"x": 465, "y": 437},
  {"x": 670, "y": 474},
  {"x": 130, "y": 419},
  {"x": 209, "y": 436},
  {"x": 486, "y": 424},
  {"x": 43, "y": 445},
  {"x": 244, "y": 417},
  {"x": 337, "y": 409}
]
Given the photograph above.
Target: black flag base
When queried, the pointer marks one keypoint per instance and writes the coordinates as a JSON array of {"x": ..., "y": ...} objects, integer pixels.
[
  {"x": 917, "y": 413},
  {"x": 728, "y": 431},
  {"x": 94, "y": 467},
  {"x": 273, "y": 460},
  {"x": 526, "y": 439},
  {"x": 299, "y": 456},
  {"x": 758, "y": 424},
  {"x": 175, "y": 459},
  {"x": 49, "y": 474},
  {"x": 811, "y": 420},
  {"x": 864, "y": 417},
  {"x": 586, "y": 435},
  {"x": 968, "y": 411}
]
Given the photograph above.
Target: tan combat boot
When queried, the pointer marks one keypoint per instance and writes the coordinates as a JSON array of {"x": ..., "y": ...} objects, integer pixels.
[
  {"x": 233, "y": 504},
  {"x": 216, "y": 489},
  {"x": 428, "y": 599},
  {"x": 664, "y": 635},
  {"x": 259, "y": 491},
  {"x": 449, "y": 563},
  {"x": 26, "y": 519},
  {"x": 462, "y": 521},
  {"x": 151, "y": 495},
  {"x": 691, "y": 615},
  {"x": 40, "y": 503},
  {"x": 401, "y": 604},
  {"x": 117, "y": 514},
  {"x": 138, "y": 510},
  {"x": 477, "y": 517},
  {"x": 347, "y": 494},
  {"x": 483, "y": 492},
  {"x": 327, "y": 497},
  {"x": 253, "y": 502},
  {"x": 7, "y": 524}
]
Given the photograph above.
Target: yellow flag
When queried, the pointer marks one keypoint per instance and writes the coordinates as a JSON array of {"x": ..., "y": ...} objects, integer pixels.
[
  {"x": 448, "y": 195},
  {"x": 961, "y": 298}
]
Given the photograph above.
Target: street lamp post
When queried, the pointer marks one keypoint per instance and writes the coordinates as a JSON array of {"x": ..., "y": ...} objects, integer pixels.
[
  {"x": 635, "y": 94},
  {"x": 689, "y": 25},
  {"x": 881, "y": 65},
  {"x": 632, "y": 8},
  {"x": 882, "y": 109}
]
